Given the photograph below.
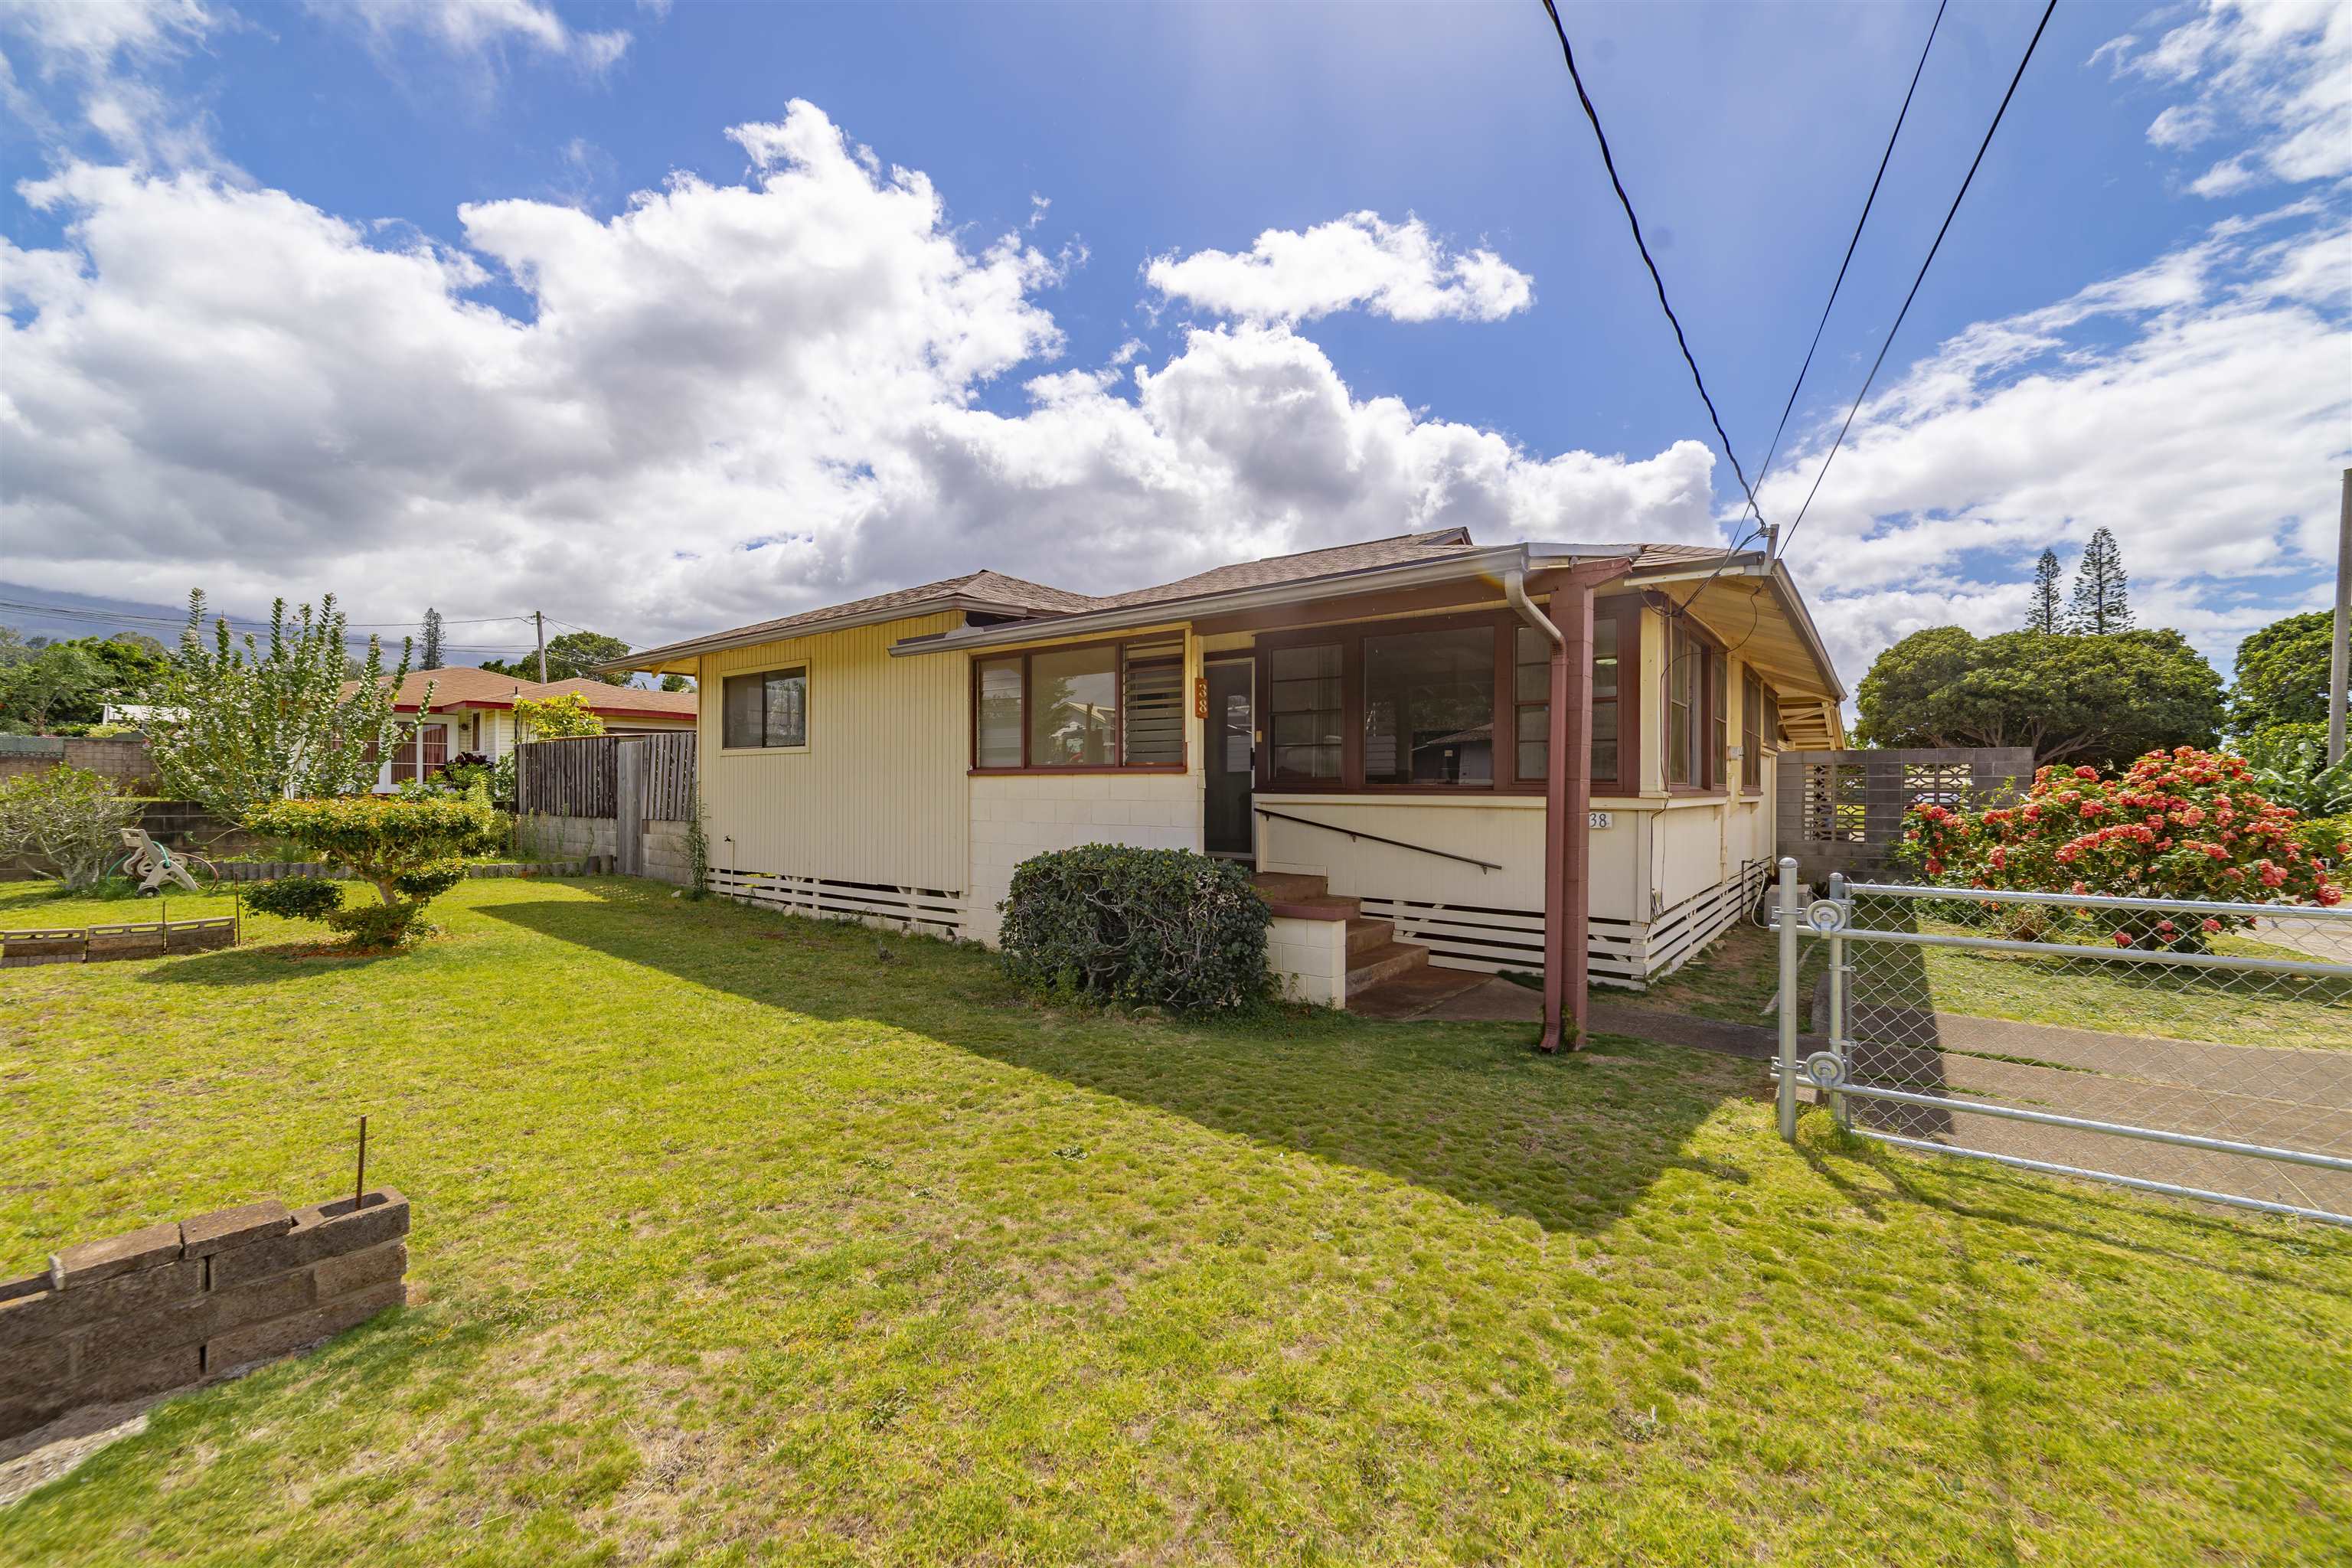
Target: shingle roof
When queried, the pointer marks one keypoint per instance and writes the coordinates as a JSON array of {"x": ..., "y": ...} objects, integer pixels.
[
  {"x": 990, "y": 589},
  {"x": 1395, "y": 550},
  {"x": 995, "y": 591},
  {"x": 459, "y": 684}
]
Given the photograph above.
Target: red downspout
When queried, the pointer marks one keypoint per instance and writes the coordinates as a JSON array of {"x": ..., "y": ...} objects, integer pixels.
[{"x": 1567, "y": 801}]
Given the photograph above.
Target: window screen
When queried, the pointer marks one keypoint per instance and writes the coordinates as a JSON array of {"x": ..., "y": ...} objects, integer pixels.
[
  {"x": 770, "y": 708},
  {"x": 1429, "y": 707},
  {"x": 997, "y": 740},
  {"x": 1073, "y": 707},
  {"x": 1303, "y": 711}
]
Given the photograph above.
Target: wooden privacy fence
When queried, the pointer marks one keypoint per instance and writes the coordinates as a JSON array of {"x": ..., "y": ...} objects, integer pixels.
[
  {"x": 1843, "y": 811},
  {"x": 582, "y": 777},
  {"x": 566, "y": 778}
]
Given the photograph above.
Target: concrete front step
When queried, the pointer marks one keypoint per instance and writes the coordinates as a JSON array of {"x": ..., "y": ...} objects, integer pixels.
[
  {"x": 1385, "y": 961},
  {"x": 1289, "y": 887},
  {"x": 1364, "y": 933}
]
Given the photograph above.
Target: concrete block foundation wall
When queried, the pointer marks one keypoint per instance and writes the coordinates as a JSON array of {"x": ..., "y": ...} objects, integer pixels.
[
  {"x": 1309, "y": 960},
  {"x": 182, "y": 1303},
  {"x": 125, "y": 759},
  {"x": 1017, "y": 816},
  {"x": 663, "y": 844}
]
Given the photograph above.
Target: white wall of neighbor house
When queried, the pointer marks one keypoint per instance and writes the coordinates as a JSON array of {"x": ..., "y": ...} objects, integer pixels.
[{"x": 879, "y": 794}]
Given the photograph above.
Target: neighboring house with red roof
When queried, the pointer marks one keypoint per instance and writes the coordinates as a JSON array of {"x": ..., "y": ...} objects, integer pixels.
[
  {"x": 1371, "y": 727},
  {"x": 473, "y": 710}
]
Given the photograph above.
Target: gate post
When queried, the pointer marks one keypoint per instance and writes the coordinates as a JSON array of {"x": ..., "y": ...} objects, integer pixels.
[
  {"x": 1790, "y": 915},
  {"x": 1840, "y": 1107}
]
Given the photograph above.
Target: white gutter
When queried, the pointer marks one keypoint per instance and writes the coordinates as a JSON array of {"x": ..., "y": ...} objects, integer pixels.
[
  {"x": 1493, "y": 561},
  {"x": 1514, "y": 589}
]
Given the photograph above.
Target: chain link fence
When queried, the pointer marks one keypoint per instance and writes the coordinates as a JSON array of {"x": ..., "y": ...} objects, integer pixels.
[{"x": 2203, "y": 1049}]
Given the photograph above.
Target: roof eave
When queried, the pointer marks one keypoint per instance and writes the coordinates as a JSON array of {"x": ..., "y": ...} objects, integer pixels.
[
  {"x": 652, "y": 657},
  {"x": 1491, "y": 561}
]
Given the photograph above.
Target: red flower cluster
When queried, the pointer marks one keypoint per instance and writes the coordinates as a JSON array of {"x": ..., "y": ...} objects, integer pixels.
[{"x": 2184, "y": 824}]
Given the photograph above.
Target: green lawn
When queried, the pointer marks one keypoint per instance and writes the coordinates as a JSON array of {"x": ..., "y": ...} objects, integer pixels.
[{"x": 741, "y": 1238}]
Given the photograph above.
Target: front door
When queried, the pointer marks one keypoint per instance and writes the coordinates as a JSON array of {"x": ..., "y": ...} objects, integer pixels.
[{"x": 1230, "y": 732}]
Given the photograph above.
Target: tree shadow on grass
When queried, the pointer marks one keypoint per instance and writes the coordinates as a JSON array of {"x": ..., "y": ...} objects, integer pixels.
[
  {"x": 267, "y": 964},
  {"x": 1467, "y": 1109}
]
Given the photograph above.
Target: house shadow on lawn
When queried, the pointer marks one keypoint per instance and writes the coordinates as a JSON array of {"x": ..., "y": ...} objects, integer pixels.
[{"x": 1467, "y": 1109}]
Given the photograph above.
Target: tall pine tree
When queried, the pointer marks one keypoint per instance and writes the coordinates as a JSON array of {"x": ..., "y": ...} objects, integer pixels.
[
  {"x": 2098, "y": 605},
  {"x": 432, "y": 640},
  {"x": 2042, "y": 612}
]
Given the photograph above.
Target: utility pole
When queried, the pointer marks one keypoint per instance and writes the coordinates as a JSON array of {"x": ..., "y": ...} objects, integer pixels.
[
  {"x": 539, "y": 624},
  {"x": 2339, "y": 654}
]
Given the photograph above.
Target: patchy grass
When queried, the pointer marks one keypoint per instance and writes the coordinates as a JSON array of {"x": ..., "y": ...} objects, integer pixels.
[{"x": 741, "y": 1238}]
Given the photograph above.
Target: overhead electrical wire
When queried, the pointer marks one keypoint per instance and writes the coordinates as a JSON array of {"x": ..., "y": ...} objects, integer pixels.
[
  {"x": 1610, "y": 163},
  {"x": 1953, "y": 212},
  {"x": 1854, "y": 239}
]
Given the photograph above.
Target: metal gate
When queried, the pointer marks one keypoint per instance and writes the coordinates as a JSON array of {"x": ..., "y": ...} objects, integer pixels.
[{"x": 2197, "y": 1049}]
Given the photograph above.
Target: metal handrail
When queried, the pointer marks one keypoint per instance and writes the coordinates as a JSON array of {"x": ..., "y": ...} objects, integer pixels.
[{"x": 1484, "y": 866}]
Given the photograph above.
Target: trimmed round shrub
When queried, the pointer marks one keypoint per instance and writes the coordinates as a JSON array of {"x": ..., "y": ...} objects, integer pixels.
[
  {"x": 380, "y": 925},
  {"x": 1148, "y": 927},
  {"x": 429, "y": 881},
  {"x": 295, "y": 897}
]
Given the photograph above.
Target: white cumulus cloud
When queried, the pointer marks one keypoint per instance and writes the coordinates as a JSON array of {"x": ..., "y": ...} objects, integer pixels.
[
  {"x": 2199, "y": 406},
  {"x": 722, "y": 403},
  {"x": 2279, "y": 71},
  {"x": 1399, "y": 270}
]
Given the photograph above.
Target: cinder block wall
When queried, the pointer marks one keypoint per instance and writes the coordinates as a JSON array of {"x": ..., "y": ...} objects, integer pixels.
[
  {"x": 182, "y": 1303},
  {"x": 125, "y": 759}
]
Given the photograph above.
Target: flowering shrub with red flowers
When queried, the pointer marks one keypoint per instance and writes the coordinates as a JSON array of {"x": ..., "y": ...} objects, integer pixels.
[{"x": 2183, "y": 824}]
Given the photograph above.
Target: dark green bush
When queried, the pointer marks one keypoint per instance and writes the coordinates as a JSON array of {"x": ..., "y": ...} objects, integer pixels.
[
  {"x": 381, "y": 924},
  {"x": 297, "y": 897},
  {"x": 1163, "y": 927},
  {"x": 429, "y": 881}
]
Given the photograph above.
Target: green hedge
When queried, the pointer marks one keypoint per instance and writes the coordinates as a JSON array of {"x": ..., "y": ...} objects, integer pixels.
[{"x": 1162, "y": 927}]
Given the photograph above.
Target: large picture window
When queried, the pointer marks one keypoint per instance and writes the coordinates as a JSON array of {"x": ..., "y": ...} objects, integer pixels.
[
  {"x": 763, "y": 710},
  {"x": 1450, "y": 702},
  {"x": 1429, "y": 707},
  {"x": 1102, "y": 705}
]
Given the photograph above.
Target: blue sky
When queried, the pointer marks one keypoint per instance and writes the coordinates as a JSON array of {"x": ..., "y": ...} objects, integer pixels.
[{"x": 716, "y": 410}]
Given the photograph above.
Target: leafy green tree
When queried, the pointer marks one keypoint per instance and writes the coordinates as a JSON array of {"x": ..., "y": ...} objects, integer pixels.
[
  {"x": 563, "y": 716},
  {"x": 2281, "y": 674},
  {"x": 432, "y": 639},
  {"x": 2100, "y": 605},
  {"x": 675, "y": 683},
  {"x": 53, "y": 684},
  {"x": 2100, "y": 699},
  {"x": 250, "y": 722},
  {"x": 2043, "y": 612},
  {"x": 569, "y": 658},
  {"x": 410, "y": 850}
]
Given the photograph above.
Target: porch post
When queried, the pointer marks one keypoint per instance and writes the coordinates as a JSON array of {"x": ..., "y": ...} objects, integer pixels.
[{"x": 1567, "y": 804}]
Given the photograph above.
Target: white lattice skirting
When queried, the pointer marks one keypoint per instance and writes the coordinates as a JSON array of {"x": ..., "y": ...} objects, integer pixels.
[
  {"x": 1619, "y": 952},
  {"x": 929, "y": 912}
]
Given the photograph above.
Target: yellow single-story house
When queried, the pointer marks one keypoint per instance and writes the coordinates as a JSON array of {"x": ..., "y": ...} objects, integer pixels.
[
  {"x": 1369, "y": 728},
  {"x": 472, "y": 711}
]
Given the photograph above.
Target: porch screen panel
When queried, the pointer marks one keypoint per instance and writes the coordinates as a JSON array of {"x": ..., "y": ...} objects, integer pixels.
[
  {"x": 996, "y": 743},
  {"x": 1303, "y": 711},
  {"x": 1682, "y": 702},
  {"x": 1152, "y": 703},
  {"x": 1532, "y": 698},
  {"x": 1718, "y": 719},
  {"x": 1429, "y": 707},
  {"x": 1073, "y": 707}
]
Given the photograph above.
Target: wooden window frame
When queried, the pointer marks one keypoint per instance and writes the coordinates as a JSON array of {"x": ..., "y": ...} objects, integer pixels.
[
  {"x": 1752, "y": 739},
  {"x": 1118, "y": 646},
  {"x": 808, "y": 709},
  {"x": 1626, "y": 609},
  {"x": 1709, "y": 690}
]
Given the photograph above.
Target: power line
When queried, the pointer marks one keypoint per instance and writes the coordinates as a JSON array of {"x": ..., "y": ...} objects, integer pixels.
[
  {"x": 1810, "y": 349},
  {"x": 1954, "y": 212},
  {"x": 1901, "y": 114},
  {"x": 1626, "y": 202}
]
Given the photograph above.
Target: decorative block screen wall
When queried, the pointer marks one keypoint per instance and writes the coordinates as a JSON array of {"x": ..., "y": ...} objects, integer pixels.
[
  {"x": 184, "y": 1302},
  {"x": 1843, "y": 811}
]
